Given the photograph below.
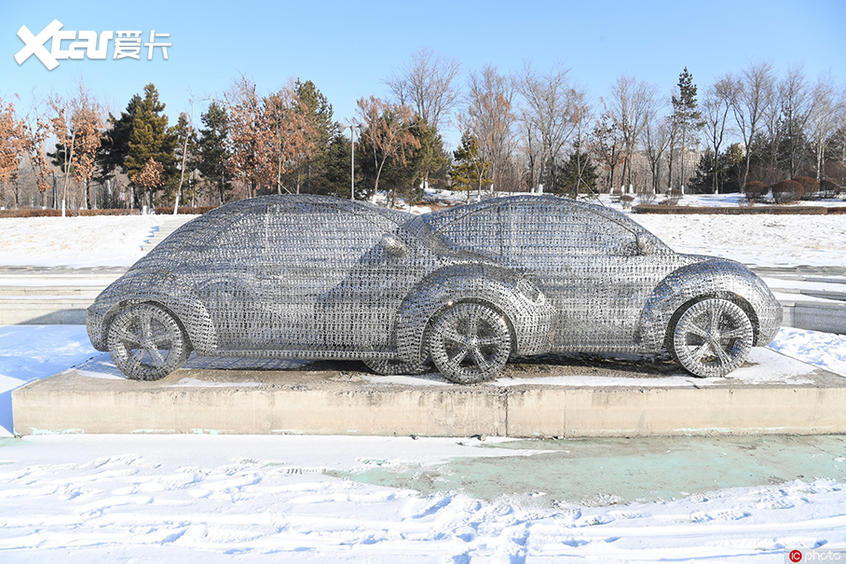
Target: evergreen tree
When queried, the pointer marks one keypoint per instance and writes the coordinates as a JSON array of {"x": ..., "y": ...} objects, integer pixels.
[
  {"x": 150, "y": 138},
  {"x": 577, "y": 175},
  {"x": 310, "y": 173},
  {"x": 470, "y": 170},
  {"x": 686, "y": 116},
  {"x": 115, "y": 142},
  {"x": 431, "y": 158},
  {"x": 213, "y": 150},
  {"x": 336, "y": 176},
  {"x": 729, "y": 171}
]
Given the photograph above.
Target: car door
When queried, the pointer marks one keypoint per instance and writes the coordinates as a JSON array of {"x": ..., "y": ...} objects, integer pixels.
[
  {"x": 589, "y": 268},
  {"x": 587, "y": 265},
  {"x": 224, "y": 269}
]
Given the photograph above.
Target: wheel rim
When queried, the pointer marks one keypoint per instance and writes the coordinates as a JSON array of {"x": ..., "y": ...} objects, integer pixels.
[
  {"x": 470, "y": 342},
  {"x": 143, "y": 340},
  {"x": 713, "y": 337}
]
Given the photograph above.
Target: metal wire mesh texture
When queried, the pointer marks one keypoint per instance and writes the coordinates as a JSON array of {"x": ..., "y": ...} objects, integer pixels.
[{"x": 464, "y": 288}]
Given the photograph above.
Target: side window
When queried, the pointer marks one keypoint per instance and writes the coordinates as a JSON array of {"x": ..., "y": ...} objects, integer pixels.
[
  {"x": 532, "y": 233},
  {"x": 539, "y": 230},
  {"x": 306, "y": 234},
  {"x": 481, "y": 231},
  {"x": 237, "y": 238}
]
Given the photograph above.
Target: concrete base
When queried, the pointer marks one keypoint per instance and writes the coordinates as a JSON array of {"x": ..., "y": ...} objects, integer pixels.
[{"x": 563, "y": 397}]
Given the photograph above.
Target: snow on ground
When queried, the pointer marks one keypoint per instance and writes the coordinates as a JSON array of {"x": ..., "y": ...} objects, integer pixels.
[
  {"x": 31, "y": 352},
  {"x": 825, "y": 350},
  {"x": 761, "y": 240},
  {"x": 212, "y": 498},
  {"x": 758, "y": 240},
  {"x": 76, "y": 241}
]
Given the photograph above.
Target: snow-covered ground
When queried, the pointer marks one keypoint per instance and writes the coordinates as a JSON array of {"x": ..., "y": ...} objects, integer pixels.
[
  {"x": 207, "y": 498},
  {"x": 762, "y": 240},
  {"x": 201, "y": 498},
  {"x": 77, "y": 241}
]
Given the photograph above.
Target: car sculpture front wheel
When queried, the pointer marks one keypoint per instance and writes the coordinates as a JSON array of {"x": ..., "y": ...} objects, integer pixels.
[
  {"x": 146, "y": 342},
  {"x": 470, "y": 342},
  {"x": 712, "y": 337}
]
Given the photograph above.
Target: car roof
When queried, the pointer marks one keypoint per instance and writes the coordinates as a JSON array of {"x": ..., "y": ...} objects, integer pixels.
[
  {"x": 233, "y": 210},
  {"x": 353, "y": 206},
  {"x": 539, "y": 199}
]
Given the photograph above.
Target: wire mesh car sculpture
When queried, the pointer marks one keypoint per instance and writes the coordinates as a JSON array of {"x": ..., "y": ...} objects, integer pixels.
[{"x": 317, "y": 277}]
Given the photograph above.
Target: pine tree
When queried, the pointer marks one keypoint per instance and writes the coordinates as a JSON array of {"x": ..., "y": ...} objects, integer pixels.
[
  {"x": 470, "y": 170},
  {"x": 115, "y": 142},
  {"x": 213, "y": 149},
  {"x": 577, "y": 175},
  {"x": 150, "y": 138},
  {"x": 431, "y": 157},
  {"x": 687, "y": 117},
  {"x": 311, "y": 171}
]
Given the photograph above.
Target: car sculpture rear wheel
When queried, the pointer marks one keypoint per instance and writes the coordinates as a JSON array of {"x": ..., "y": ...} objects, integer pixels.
[
  {"x": 470, "y": 343},
  {"x": 146, "y": 342},
  {"x": 712, "y": 337}
]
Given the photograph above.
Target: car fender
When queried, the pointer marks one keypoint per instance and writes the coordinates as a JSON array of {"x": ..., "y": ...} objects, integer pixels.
[
  {"x": 531, "y": 322},
  {"x": 712, "y": 277},
  {"x": 167, "y": 290}
]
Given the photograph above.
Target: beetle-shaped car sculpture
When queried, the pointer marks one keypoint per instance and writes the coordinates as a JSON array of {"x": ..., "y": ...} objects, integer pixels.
[{"x": 317, "y": 277}]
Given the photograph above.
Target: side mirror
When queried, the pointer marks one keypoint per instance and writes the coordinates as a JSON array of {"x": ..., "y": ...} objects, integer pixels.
[
  {"x": 645, "y": 245},
  {"x": 394, "y": 246}
]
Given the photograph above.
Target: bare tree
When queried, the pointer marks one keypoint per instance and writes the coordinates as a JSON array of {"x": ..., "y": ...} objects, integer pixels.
[
  {"x": 250, "y": 136},
  {"x": 655, "y": 138},
  {"x": 630, "y": 102},
  {"x": 607, "y": 146},
  {"x": 386, "y": 133},
  {"x": 549, "y": 118},
  {"x": 754, "y": 95},
  {"x": 294, "y": 135},
  {"x": 490, "y": 118},
  {"x": 12, "y": 146},
  {"x": 796, "y": 107},
  {"x": 716, "y": 106},
  {"x": 427, "y": 85},
  {"x": 823, "y": 118},
  {"x": 580, "y": 115},
  {"x": 77, "y": 125}
]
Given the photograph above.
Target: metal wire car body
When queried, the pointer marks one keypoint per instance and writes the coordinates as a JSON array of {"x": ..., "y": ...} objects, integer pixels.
[
  {"x": 615, "y": 286},
  {"x": 308, "y": 277},
  {"x": 320, "y": 277}
]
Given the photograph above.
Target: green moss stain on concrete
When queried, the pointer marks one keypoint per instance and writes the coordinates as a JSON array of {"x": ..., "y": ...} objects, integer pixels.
[{"x": 605, "y": 471}]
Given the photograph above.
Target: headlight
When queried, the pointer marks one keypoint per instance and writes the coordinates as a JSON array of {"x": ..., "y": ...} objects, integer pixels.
[{"x": 529, "y": 290}]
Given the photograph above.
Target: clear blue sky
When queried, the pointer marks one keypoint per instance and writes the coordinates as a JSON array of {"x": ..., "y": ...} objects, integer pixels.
[{"x": 349, "y": 48}]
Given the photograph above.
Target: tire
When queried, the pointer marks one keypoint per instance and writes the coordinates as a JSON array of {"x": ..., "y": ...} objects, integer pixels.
[
  {"x": 469, "y": 343},
  {"x": 712, "y": 337},
  {"x": 146, "y": 342},
  {"x": 387, "y": 367}
]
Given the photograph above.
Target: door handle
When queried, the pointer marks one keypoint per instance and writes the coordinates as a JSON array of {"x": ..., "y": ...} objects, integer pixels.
[{"x": 269, "y": 272}]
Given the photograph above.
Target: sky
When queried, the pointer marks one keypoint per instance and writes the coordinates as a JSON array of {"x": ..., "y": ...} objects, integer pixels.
[{"x": 349, "y": 48}]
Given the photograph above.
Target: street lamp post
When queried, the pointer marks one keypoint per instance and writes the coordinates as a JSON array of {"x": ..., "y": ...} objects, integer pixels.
[{"x": 352, "y": 158}]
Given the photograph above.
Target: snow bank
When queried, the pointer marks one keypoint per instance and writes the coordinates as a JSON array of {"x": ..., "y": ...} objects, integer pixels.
[{"x": 76, "y": 241}]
